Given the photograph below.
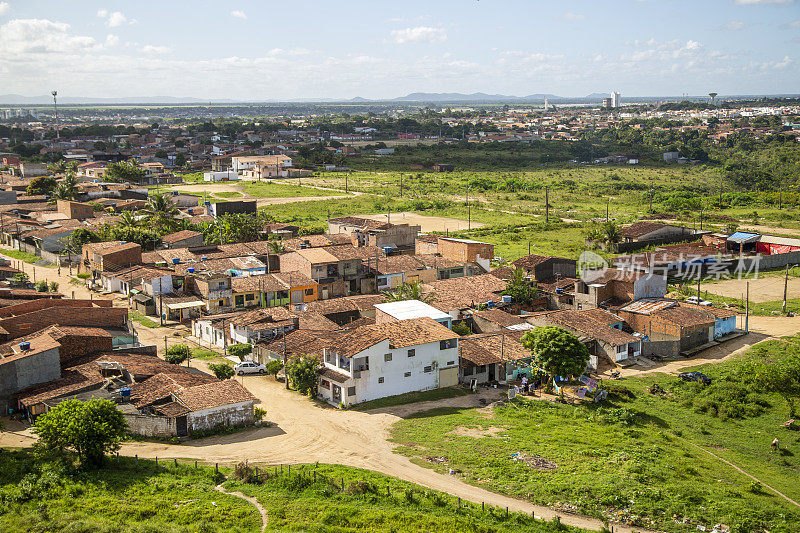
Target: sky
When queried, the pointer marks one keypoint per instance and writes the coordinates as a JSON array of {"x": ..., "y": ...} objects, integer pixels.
[{"x": 278, "y": 50}]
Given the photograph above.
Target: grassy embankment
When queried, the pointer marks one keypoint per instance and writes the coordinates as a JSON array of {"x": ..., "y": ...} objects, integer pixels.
[
  {"x": 140, "y": 496},
  {"x": 639, "y": 456}
]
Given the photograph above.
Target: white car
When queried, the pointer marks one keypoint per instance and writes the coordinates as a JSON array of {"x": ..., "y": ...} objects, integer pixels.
[
  {"x": 249, "y": 367},
  {"x": 698, "y": 301}
]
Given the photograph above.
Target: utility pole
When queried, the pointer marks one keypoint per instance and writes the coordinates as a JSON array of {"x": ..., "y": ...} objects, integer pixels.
[
  {"x": 283, "y": 339},
  {"x": 547, "y": 206},
  {"x": 160, "y": 306},
  {"x": 747, "y": 310},
  {"x": 55, "y": 106},
  {"x": 608, "y": 201},
  {"x": 785, "y": 287}
]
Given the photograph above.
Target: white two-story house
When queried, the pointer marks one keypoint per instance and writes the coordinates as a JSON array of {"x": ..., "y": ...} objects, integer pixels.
[{"x": 387, "y": 359}]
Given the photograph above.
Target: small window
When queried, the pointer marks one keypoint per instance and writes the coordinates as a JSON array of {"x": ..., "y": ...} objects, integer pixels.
[
  {"x": 380, "y": 379},
  {"x": 428, "y": 369},
  {"x": 387, "y": 357},
  {"x": 249, "y": 296},
  {"x": 450, "y": 363},
  {"x": 481, "y": 369},
  {"x": 468, "y": 370},
  {"x": 446, "y": 345},
  {"x": 412, "y": 352},
  {"x": 309, "y": 292},
  {"x": 351, "y": 391},
  {"x": 407, "y": 375}
]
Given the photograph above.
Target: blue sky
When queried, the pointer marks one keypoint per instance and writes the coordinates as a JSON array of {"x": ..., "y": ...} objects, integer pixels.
[{"x": 269, "y": 50}]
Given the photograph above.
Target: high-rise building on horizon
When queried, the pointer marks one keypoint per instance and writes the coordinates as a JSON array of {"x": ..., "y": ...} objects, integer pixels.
[{"x": 615, "y": 99}]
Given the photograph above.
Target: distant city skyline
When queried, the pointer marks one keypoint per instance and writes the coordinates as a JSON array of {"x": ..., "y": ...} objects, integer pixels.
[{"x": 261, "y": 51}]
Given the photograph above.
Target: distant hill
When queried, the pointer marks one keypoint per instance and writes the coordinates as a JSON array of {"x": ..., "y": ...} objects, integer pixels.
[
  {"x": 474, "y": 97},
  {"x": 597, "y": 96}
]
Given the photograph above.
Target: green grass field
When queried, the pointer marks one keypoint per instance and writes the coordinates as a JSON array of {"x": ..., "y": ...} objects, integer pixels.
[
  {"x": 143, "y": 320},
  {"x": 635, "y": 456},
  {"x": 21, "y": 256},
  {"x": 373, "y": 502},
  {"x": 125, "y": 496},
  {"x": 140, "y": 496},
  {"x": 282, "y": 189}
]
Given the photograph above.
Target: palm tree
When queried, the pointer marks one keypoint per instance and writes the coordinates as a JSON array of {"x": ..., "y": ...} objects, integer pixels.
[
  {"x": 67, "y": 189},
  {"x": 276, "y": 247},
  {"x": 127, "y": 220},
  {"x": 408, "y": 291},
  {"x": 160, "y": 211}
]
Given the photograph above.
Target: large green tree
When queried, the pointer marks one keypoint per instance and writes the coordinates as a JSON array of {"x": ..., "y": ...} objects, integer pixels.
[
  {"x": 302, "y": 374},
  {"x": 556, "y": 351},
  {"x": 67, "y": 189},
  {"x": 41, "y": 185},
  {"x": 161, "y": 213},
  {"x": 91, "y": 429},
  {"x": 408, "y": 291},
  {"x": 124, "y": 171},
  {"x": 521, "y": 291}
]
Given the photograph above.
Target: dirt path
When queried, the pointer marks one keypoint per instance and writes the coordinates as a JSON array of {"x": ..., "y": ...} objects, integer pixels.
[
  {"x": 754, "y": 478},
  {"x": 254, "y": 501},
  {"x": 767, "y": 288}
]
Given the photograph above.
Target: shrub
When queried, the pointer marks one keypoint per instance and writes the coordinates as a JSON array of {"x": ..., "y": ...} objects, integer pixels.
[
  {"x": 177, "y": 354},
  {"x": 53, "y": 286},
  {"x": 83, "y": 275},
  {"x": 221, "y": 370},
  {"x": 273, "y": 367},
  {"x": 240, "y": 350},
  {"x": 22, "y": 277},
  {"x": 461, "y": 328},
  {"x": 259, "y": 414},
  {"x": 41, "y": 286}
]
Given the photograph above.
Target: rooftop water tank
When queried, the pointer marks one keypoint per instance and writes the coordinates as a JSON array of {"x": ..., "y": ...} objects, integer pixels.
[
  {"x": 24, "y": 346},
  {"x": 191, "y": 270},
  {"x": 175, "y": 260},
  {"x": 506, "y": 299},
  {"x": 490, "y": 304},
  {"x": 191, "y": 211}
]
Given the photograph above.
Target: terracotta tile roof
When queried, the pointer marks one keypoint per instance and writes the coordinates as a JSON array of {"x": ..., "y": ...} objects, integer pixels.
[
  {"x": 465, "y": 292},
  {"x": 594, "y": 323},
  {"x": 530, "y": 261},
  {"x": 162, "y": 385},
  {"x": 550, "y": 285},
  {"x": 363, "y": 223},
  {"x": 173, "y": 409},
  {"x": 400, "y": 334},
  {"x": 214, "y": 394},
  {"x": 487, "y": 348},
  {"x": 301, "y": 342},
  {"x": 638, "y": 229},
  {"x": 333, "y": 375},
  {"x": 348, "y": 303},
  {"x": 685, "y": 315},
  {"x": 343, "y": 252},
  {"x": 718, "y": 312},
  {"x": 499, "y": 317},
  {"x": 180, "y": 235},
  {"x": 395, "y": 264},
  {"x": 503, "y": 272},
  {"x": 438, "y": 262}
]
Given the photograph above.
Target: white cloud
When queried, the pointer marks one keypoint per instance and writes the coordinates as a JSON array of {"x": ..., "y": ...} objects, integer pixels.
[
  {"x": 734, "y": 25},
  {"x": 5, "y": 7},
  {"x": 693, "y": 45},
  {"x": 420, "y": 34},
  {"x": 114, "y": 19},
  {"x": 754, "y": 2},
  {"x": 40, "y": 36},
  {"x": 574, "y": 16},
  {"x": 152, "y": 49},
  {"x": 112, "y": 40},
  {"x": 239, "y": 14}
]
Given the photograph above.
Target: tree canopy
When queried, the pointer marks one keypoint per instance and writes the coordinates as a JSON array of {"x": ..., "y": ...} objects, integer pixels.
[
  {"x": 302, "y": 373},
  {"x": 556, "y": 351},
  {"x": 91, "y": 429}
]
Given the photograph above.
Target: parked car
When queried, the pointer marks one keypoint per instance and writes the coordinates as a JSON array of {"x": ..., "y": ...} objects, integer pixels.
[
  {"x": 695, "y": 376},
  {"x": 698, "y": 301},
  {"x": 249, "y": 367}
]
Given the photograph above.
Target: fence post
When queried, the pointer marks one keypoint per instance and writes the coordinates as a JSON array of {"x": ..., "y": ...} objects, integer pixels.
[
  {"x": 459, "y": 502},
  {"x": 315, "y": 476},
  {"x": 216, "y": 467},
  {"x": 256, "y": 474},
  {"x": 137, "y": 459},
  {"x": 483, "y": 507},
  {"x": 290, "y": 469},
  {"x": 388, "y": 493},
  {"x": 176, "y": 462},
  {"x": 506, "y": 512},
  {"x": 156, "y": 460},
  {"x": 342, "y": 484},
  {"x": 195, "y": 464}
]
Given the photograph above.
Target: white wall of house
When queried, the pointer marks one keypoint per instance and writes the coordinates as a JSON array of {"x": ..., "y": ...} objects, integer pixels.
[
  {"x": 650, "y": 286},
  {"x": 393, "y": 371},
  {"x": 161, "y": 285},
  {"x": 207, "y": 332}
]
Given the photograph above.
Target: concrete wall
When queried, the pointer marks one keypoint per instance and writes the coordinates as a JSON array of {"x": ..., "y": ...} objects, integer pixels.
[
  {"x": 650, "y": 286},
  {"x": 26, "y": 371},
  {"x": 150, "y": 426},
  {"x": 228, "y": 415},
  {"x": 662, "y": 348}
]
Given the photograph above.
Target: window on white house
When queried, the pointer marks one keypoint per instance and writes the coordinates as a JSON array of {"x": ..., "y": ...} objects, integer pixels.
[
  {"x": 380, "y": 380},
  {"x": 351, "y": 391},
  {"x": 451, "y": 363},
  {"x": 621, "y": 348},
  {"x": 481, "y": 369},
  {"x": 387, "y": 357},
  {"x": 446, "y": 345},
  {"x": 412, "y": 352},
  {"x": 427, "y": 369},
  {"x": 468, "y": 370},
  {"x": 407, "y": 375}
]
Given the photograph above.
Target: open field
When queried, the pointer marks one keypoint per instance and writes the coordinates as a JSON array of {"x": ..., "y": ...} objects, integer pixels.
[
  {"x": 641, "y": 456},
  {"x": 767, "y": 287},
  {"x": 427, "y": 223}
]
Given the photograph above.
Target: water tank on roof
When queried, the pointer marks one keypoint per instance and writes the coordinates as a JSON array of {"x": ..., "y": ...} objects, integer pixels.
[
  {"x": 506, "y": 299},
  {"x": 387, "y": 250},
  {"x": 24, "y": 346},
  {"x": 190, "y": 211},
  {"x": 490, "y": 304},
  {"x": 175, "y": 260},
  {"x": 125, "y": 392},
  {"x": 207, "y": 203},
  {"x": 123, "y": 242},
  {"x": 191, "y": 270},
  {"x": 174, "y": 193},
  {"x": 303, "y": 246},
  {"x": 204, "y": 258}
]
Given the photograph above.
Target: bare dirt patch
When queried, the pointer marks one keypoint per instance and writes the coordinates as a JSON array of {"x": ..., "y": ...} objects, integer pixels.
[
  {"x": 764, "y": 289},
  {"x": 478, "y": 433},
  {"x": 427, "y": 223}
]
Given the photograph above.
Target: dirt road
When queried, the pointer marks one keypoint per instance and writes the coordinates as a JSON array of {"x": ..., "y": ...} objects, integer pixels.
[{"x": 427, "y": 223}]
